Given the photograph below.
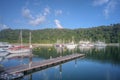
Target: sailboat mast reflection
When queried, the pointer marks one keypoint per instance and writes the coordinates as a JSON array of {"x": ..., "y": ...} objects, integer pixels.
[
  {"x": 60, "y": 71},
  {"x": 75, "y": 63},
  {"x": 30, "y": 77}
]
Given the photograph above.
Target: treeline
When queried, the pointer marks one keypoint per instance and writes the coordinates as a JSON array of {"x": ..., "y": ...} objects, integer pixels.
[{"x": 109, "y": 34}]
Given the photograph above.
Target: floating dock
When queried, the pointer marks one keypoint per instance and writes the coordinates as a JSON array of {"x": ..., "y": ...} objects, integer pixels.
[{"x": 41, "y": 64}]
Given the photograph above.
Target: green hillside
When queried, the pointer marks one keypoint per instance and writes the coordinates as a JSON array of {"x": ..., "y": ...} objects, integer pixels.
[{"x": 109, "y": 34}]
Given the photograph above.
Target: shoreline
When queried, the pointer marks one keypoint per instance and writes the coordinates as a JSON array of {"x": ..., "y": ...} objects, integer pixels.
[
  {"x": 49, "y": 45},
  {"x": 113, "y": 44}
]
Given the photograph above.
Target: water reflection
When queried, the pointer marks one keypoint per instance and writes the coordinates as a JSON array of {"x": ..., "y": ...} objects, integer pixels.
[
  {"x": 60, "y": 71},
  {"x": 103, "y": 54},
  {"x": 85, "y": 49},
  {"x": 107, "y": 54},
  {"x": 30, "y": 77},
  {"x": 75, "y": 63},
  {"x": 100, "y": 63},
  {"x": 54, "y": 73}
]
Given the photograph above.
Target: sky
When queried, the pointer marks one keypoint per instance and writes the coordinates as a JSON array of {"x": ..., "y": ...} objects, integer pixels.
[{"x": 71, "y": 14}]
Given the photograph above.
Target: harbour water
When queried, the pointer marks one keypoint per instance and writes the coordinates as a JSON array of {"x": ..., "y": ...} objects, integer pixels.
[{"x": 101, "y": 63}]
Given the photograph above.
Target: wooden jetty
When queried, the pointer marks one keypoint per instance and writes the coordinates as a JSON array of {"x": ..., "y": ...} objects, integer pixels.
[{"x": 41, "y": 64}]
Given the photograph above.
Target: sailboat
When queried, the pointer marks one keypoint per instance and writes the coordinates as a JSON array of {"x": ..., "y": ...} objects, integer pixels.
[
  {"x": 100, "y": 44},
  {"x": 71, "y": 45},
  {"x": 21, "y": 48}
]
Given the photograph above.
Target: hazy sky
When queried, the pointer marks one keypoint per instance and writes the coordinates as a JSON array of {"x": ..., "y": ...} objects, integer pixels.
[{"x": 40, "y": 14}]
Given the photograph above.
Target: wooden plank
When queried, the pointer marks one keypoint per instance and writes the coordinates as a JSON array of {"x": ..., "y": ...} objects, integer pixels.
[{"x": 34, "y": 65}]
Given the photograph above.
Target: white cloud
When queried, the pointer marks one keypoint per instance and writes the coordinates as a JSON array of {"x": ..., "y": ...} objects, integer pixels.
[
  {"x": 58, "y": 12},
  {"x": 27, "y": 14},
  {"x": 109, "y": 8},
  {"x": 3, "y": 26},
  {"x": 37, "y": 21},
  {"x": 58, "y": 24},
  {"x": 100, "y": 2},
  {"x": 46, "y": 11}
]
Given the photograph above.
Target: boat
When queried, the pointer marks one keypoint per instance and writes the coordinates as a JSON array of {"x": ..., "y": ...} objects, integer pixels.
[
  {"x": 100, "y": 44},
  {"x": 21, "y": 48},
  {"x": 71, "y": 45},
  {"x": 3, "y": 54},
  {"x": 85, "y": 44},
  {"x": 2, "y": 50},
  {"x": 7, "y": 76},
  {"x": 59, "y": 44},
  {"x": 4, "y": 46}
]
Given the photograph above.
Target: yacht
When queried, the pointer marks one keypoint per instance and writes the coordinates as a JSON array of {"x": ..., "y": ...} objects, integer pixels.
[
  {"x": 100, "y": 44},
  {"x": 21, "y": 48},
  {"x": 71, "y": 45},
  {"x": 7, "y": 76},
  {"x": 4, "y": 46},
  {"x": 85, "y": 44}
]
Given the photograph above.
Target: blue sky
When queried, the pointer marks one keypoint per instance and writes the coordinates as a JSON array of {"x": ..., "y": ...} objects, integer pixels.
[{"x": 72, "y": 14}]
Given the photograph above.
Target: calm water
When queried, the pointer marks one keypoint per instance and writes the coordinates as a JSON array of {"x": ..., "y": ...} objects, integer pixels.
[{"x": 99, "y": 64}]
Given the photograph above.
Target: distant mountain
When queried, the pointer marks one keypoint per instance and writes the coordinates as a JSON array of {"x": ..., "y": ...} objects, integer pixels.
[{"x": 109, "y": 34}]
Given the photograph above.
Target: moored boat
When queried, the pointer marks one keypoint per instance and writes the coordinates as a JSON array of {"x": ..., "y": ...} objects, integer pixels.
[
  {"x": 7, "y": 76},
  {"x": 100, "y": 44},
  {"x": 21, "y": 48},
  {"x": 71, "y": 45},
  {"x": 85, "y": 44}
]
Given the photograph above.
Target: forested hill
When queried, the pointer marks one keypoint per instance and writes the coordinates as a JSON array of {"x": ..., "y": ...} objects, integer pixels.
[{"x": 109, "y": 34}]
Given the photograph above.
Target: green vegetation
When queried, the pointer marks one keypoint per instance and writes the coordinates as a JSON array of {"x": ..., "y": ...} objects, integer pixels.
[{"x": 109, "y": 34}]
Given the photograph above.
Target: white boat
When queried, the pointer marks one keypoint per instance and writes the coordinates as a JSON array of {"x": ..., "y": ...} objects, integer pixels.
[
  {"x": 21, "y": 48},
  {"x": 3, "y": 54},
  {"x": 100, "y": 44},
  {"x": 7, "y": 76},
  {"x": 2, "y": 50},
  {"x": 85, "y": 44},
  {"x": 4, "y": 46},
  {"x": 71, "y": 45}
]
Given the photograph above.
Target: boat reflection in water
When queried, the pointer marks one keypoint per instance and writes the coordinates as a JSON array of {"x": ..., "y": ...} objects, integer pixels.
[{"x": 100, "y": 63}]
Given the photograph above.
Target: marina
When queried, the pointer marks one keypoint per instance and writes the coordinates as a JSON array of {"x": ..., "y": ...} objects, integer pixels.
[{"x": 59, "y": 40}]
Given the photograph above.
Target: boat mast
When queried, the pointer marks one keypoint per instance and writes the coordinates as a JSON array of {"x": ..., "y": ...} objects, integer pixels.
[
  {"x": 30, "y": 46},
  {"x": 21, "y": 37},
  {"x": 30, "y": 39},
  {"x": 21, "y": 40}
]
